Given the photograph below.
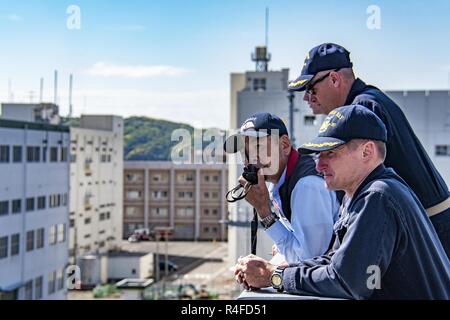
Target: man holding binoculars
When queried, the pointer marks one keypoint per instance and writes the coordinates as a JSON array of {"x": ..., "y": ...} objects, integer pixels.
[{"x": 297, "y": 211}]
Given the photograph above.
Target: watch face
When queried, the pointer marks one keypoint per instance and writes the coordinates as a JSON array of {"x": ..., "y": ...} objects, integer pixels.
[{"x": 276, "y": 280}]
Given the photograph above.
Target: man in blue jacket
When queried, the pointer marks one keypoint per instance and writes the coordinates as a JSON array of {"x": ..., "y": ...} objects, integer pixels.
[
  {"x": 328, "y": 79},
  {"x": 385, "y": 245}
]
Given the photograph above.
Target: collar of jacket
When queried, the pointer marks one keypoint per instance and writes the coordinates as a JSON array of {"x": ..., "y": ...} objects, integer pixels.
[
  {"x": 292, "y": 161},
  {"x": 375, "y": 174},
  {"x": 358, "y": 86}
]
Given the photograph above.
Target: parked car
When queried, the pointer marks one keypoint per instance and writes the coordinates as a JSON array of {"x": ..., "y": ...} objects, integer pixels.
[
  {"x": 140, "y": 235},
  {"x": 170, "y": 266}
]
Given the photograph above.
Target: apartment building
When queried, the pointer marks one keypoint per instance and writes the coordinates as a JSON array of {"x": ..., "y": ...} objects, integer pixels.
[{"x": 189, "y": 198}]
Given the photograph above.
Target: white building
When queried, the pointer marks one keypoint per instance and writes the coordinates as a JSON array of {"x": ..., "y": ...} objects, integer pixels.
[
  {"x": 96, "y": 180},
  {"x": 427, "y": 111},
  {"x": 34, "y": 191},
  {"x": 126, "y": 264}
]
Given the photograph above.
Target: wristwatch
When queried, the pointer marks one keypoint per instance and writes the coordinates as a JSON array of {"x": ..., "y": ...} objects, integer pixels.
[
  {"x": 276, "y": 279},
  {"x": 269, "y": 220}
]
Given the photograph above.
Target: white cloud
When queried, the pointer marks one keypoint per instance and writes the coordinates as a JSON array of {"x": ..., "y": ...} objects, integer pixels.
[
  {"x": 14, "y": 17},
  {"x": 137, "y": 71}
]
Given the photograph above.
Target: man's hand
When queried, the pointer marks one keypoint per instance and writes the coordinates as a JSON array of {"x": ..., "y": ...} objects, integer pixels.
[
  {"x": 258, "y": 195},
  {"x": 255, "y": 271}
]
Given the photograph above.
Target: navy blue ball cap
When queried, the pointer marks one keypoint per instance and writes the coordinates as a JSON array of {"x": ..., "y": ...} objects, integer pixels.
[
  {"x": 261, "y": 124},
  {"x": 327, "y": 56},
  {"x": 344, "y": 124}
]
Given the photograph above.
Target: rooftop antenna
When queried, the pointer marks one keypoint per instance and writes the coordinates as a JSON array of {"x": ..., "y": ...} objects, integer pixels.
[
  {"x": 41, "y": 90},
  {"x": 267, "y": 28},
  {"x": 261, "y": 56},
  {"x": 70, "y": 95},
  {"x": 55, "y": 87}
]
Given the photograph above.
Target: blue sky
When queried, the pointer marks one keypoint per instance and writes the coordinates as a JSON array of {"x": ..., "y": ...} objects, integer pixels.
[{"x": 172, "y": 59}]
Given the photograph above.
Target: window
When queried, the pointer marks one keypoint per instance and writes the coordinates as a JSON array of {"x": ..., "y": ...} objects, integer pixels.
[
  {"x": 60, "y": 279},
  {"x": 4, "y": 208},
  {"x": 64, "y": 199},
  {"x": 185, "y": 212},
  {"x": 52, "y": 235},
  {"x": 64, "y": 154},
  {"x": 215, "y": 211},
  {"x": 310, "y": 120},
  {"x": 38, "y": 287},
  {"x": 442, "y": 150},
  {"x": 87, "y": 221},
  {"x": 185, "y": 177},
  {"x": 134, "y": 195},
  {"x": 206, "y": 178},
  {"x": 185, "y": 195},
  {"x": 206, "y": 212},
  {"x": 41, "y": 203},
  {"x": 17, "y": 206},
  {"x": 108, "y": 215},
  {"x": 206, "y": 229},
  {"x": 33, "y": 154},
  {"x": 44, "y": 154},
  {"x": 131, "y": 177},
  {"x": 40, "y": 236},
  {"x": 72, "y": 223},
  {"x": 30, "y": 240},
  {"x": 159, "y": 194},
  {"x": 215, "y": 195},
  {"x": 3, "y": 247},
  {"x": 53, "y": 154},
  {"x": 15, "y": 244},
  {"x": 30, "y": 204},
  {"x": 102, "y": 215},
  {"x": 159, "y": 212},
  {"x": 29, "y": 290},
  {"x": 156, "y": 177},
  {"x": 130, "y": 212},
  {"x": 51, "y": 282},
  {"x": 4, "y": 154},
  {"x": 216, "y": 178},
  {"x": 206, "y": 195},
  {"x": 9, "y": 295},
  {"x": 61, "y": 232},
  {"x": 55, "y": 200},
  {"x": 17, "y": 154},
  {"x": 259, "y": 84}
]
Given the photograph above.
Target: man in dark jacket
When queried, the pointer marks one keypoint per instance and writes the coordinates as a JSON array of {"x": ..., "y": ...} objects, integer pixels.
[
  {"x": 385, "y": 246},
  {"x": 329, "y": 82}
]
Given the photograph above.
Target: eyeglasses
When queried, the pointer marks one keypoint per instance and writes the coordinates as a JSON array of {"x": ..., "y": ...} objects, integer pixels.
[{"x": 310, "y": 87}]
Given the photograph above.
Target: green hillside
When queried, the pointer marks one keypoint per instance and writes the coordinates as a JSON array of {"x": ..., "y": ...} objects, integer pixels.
[{"x": 146, "y": 138}]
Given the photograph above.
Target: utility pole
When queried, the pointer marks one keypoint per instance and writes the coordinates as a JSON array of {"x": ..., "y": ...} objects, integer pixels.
[
  {"x": 163, "y": 232},
  {"x": 292, "y": 109}
]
